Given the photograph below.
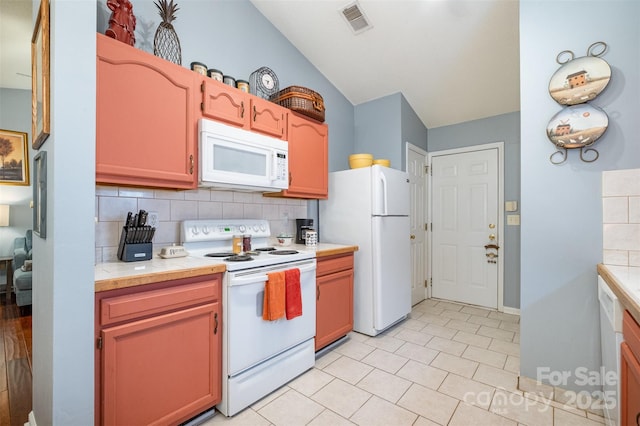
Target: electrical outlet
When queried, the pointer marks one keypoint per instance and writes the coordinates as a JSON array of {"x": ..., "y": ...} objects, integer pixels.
[{"x": 152, "y": 219}]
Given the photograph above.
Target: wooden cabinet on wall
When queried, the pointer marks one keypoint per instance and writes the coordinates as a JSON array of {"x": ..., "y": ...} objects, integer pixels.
[
  {"x": 334, "y": 298},
  {"x": 145, "y": 118},
  {"x": 308, "y": 159},
  {"x": 158, "y": 351},
  {"x": 630, "y": 372},
  {"x": 224, "y": 103}
]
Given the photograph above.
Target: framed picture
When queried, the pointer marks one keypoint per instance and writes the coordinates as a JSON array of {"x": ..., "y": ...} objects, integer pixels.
[
  {"x": 14, "y": 158},
  {"x": 40, "y": 194},
  {"x": 40, "y": 114}
]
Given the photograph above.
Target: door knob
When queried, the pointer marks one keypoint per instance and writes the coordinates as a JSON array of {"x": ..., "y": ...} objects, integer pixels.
[
  {"x": 492, "y": 237},
  {"x": 492, "y": 225},
  {"x": 413, "y": 237}
]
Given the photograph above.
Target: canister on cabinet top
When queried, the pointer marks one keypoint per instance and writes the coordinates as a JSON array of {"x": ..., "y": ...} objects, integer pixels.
[
  {"x": 227, "y": 79},
  {"x": 199, "y": 67},
  {"x": 243, "y": 85},
  {"x": 215, "y": 74}
]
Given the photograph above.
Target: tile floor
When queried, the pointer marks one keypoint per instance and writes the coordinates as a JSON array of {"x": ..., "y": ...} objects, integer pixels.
[{"x": 448, "y": 364}]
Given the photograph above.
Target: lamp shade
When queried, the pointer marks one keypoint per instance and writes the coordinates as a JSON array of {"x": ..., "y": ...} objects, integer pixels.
[{"x": 4, "y": 215}]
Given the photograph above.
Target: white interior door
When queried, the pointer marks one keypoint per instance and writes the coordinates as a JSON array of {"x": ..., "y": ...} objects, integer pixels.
[
  {"x": 416, "y": 162},
  {"x": 465, "y": 219}
]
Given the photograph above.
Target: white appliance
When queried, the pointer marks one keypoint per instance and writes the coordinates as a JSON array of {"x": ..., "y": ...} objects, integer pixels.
[
  {"x": 611, "y": 312},
  {"x": 258, "y": 356},
  {"x": 369, "y": 207},
  {"x": 237, "y": 159}
]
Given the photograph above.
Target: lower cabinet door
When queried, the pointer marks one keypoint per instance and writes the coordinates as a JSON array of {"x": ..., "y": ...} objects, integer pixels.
[
  {"x": 162, "y": 370},
  {"x": 629, "y": 387},
  {"x": 334, "y": 307}
]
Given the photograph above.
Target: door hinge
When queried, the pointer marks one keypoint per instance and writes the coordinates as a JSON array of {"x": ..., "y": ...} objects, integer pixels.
[
  {"x": 99, "y": 343},
  {"x": 426, "y": 170}
]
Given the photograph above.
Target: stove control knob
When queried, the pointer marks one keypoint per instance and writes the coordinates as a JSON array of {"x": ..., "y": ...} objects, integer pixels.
[
  {"x": 205, "y": 229},
  {"x": 242, "y": 228},
  {"x": 263, "y": 228},
  {"x": 256, "y": 228},
  {"x": 194, "y": 230}
]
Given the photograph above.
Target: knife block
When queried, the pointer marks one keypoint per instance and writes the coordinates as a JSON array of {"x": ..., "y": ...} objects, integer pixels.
[{"x": 133, "y": 252}]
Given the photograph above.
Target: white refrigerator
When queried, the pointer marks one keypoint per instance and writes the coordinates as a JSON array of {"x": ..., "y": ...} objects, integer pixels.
[{"x": 369, "y": 207}]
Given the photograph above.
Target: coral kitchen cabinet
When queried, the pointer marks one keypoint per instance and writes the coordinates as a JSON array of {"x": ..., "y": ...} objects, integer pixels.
[
  {"x": 334, "y": 298},
  {"x": 146, "y": 122},
  {"x": 224, "y": 103},
  {"x": 158, "y": 351},
  {"x": 630, "y": 372}
]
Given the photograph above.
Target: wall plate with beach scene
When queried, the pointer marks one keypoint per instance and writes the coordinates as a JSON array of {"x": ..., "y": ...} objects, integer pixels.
[{"x": 582, "y": 79}]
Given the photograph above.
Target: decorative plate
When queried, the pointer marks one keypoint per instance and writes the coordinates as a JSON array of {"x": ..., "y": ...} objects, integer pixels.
[
  {"x": 577, "y": 126},
  {"x": 580, "y": 80}
]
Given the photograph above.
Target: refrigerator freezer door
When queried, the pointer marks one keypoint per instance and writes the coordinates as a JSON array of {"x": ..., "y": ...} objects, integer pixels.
[
  {"x": 391, "y": 270},
  {"x": 390, "y": 192}
]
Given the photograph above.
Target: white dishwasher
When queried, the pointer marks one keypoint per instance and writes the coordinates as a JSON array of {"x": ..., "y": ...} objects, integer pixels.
[{"x": 610, "y": 338}]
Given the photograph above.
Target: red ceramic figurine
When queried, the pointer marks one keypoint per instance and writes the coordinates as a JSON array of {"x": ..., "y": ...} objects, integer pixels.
[{"x": 122, "y": 23}]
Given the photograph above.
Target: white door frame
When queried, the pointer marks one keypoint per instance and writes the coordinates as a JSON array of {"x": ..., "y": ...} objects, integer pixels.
[
  {"x": 427, "y": 213},
  {"x": 500, "y": 226}
]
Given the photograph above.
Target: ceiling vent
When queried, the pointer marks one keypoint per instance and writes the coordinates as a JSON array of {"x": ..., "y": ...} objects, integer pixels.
[{"x": 357, "y": 20}]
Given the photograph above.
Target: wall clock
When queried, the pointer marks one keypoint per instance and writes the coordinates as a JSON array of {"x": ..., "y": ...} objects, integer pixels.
[{"x": 263, "y": 83}]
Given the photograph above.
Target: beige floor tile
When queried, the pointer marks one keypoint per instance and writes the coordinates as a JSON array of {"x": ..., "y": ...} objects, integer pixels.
[
  {"x": 429, "y": 404},
  {"x": 378, "y": 412},
  {"x": 357, "y": 336},
  {"x": 466, "y": 415},
  {"x": 388, "y": 343},
  {"x": 422, "y": 374},
  {"x": 596, "y": 418},
  {"x": 385, "y": 385},
  {"x": 454, "y": 364},
  {"x": 505, "y": 317},
  {"x": 496, "y": 333},
  {"x": 565, "y": 418},
  {"x": 463, "y": 326},
  {"x": 460, "y": 316},
  {"x": 354, "y": 349},
  {"x": 485, "y": 356},
  {"x": 489, "y": 322},
  {"x": 446, "y": 345},
  {"x": 475, "y": 311},
  {"x": 247, "y": 417},
  {"x": 440, "y": 331},
  {"x": 433, "y": 318},
  {"x": 450, "y": 305},
  {"x": 512, "y": 364},
  {"x": 424, "y": 422},
  {"x": 467, "y": 390},
  {"x": 414, "y": 337},
  {"x": 516, "y": 338},
  {"x": 329, "y": 418},
  {"x": 386, "y": 361},
  {"x": 508, "y": 348},
  {"x": 472, "y": 339},
  {"x": 326, "y": 359},
  {"x": 347, "y": 369},
  {"x": 520, "y": 409},
  {"x": 497, "y": 378},
  {"x": 311, "y": 381},
  {"x": 412, "y": 324},
  {"x": 292, "y": 408},
  {"x": 527, "y": 384},
  {"x": 511, "y": 326},
  {"x": 341, "y": 397},
  {"x": 267, "y": 399},
  {"x": 417, "y": 352}
]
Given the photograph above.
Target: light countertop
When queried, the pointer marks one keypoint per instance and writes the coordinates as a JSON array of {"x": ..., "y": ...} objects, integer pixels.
[
  {"x": 624, "y": 281},
  {"x": 114, "y": 275}
]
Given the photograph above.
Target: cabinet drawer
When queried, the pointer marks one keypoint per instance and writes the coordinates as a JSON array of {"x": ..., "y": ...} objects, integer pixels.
[
  {"x": 153, "y": 302},
  {"x": 331, "y": 264},
  {"x": 631, "y": 333}
]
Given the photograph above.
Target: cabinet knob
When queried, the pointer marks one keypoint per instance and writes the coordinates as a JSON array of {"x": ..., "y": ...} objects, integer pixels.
[
  {"x": 191, "y": 164},
  {"x": 242, "y": 109},
  {"x": 215, "y": 319}
]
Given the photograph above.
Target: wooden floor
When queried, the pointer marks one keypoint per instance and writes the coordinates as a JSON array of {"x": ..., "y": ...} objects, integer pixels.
[{"x": 15, "y": 363}]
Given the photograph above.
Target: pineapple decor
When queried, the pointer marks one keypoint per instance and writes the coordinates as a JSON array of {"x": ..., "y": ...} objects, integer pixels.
[{"x": 165, "y": 43}]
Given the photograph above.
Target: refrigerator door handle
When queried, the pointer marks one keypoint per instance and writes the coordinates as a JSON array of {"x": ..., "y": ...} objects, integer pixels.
[{"x": 383, "y": 179}]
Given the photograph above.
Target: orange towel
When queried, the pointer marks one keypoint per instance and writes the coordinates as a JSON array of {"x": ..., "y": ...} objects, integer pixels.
[
  {"x": 273, "y": 304},
  {"x": 293, "y": 296}
]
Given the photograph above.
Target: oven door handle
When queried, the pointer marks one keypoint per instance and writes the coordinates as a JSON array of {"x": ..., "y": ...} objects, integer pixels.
[{"x": 252, "y": 279}]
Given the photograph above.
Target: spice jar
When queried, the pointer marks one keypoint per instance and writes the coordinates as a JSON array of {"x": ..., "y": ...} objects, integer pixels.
[
  {"x": 215, "y": 74},
  {"x": 199, "y": 67},
  {"x": 227, "y": 79},
  {"x": 243, "y": 85}
]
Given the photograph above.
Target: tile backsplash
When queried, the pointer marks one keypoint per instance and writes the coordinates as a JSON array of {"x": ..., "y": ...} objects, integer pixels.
[
  {"x": 621, "y": 217},
  {"x": 113, "y": 203}
]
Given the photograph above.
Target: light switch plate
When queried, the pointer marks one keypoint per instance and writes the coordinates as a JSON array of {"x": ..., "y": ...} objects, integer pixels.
[
  {"x": 513, "y": 219},
  {"x": 511, "y": 206}
]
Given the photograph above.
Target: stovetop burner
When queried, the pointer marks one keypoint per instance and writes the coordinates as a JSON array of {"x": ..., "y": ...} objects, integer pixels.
[
  {"x": 220, "y": 254},
  {"x": 266, "y": 249},
  {"x": 239, "y": 258},
  {"x": 284, "y": 252}
]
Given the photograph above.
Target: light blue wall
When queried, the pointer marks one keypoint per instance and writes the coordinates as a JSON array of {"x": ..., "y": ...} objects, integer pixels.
[
  {"x": 501, "y": 128},
  {"x": 15, "y": 114},
  {"x": 561, "y": 204},
  {"x": 382, "y": 127}
]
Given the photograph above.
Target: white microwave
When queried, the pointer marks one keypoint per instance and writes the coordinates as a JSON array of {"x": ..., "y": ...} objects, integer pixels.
[{"x": 234, "y": 158}]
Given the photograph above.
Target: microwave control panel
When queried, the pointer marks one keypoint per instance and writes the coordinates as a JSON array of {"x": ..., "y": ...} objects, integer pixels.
[{"x": 281, "y": 166}]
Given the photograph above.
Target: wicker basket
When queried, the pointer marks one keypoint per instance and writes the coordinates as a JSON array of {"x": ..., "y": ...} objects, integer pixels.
[{"x": 302, "y": 100}]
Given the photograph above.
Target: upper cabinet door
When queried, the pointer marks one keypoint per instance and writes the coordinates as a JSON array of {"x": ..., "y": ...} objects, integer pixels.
[
  {"x": 267, "y": 117},
  {"x": 308, "y": 158},
  {"x": 146, "y": 129},
  {"x": 224, "y": 103}
]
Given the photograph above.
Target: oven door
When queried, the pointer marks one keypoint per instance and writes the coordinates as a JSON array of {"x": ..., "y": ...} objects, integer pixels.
[{"x": 252, "y": 340}]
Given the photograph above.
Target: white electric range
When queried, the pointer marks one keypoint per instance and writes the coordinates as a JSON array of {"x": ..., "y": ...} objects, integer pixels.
[{"x": 258, "y": 356}]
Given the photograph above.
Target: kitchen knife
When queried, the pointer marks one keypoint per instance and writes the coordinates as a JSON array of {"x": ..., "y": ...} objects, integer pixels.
[{"x": 127, "y": 223}]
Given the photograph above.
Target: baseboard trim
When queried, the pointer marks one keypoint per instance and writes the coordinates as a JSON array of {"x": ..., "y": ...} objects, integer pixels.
[
  {"x": 32, "y": 420},
  {"x": 512, "y": 311}
]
